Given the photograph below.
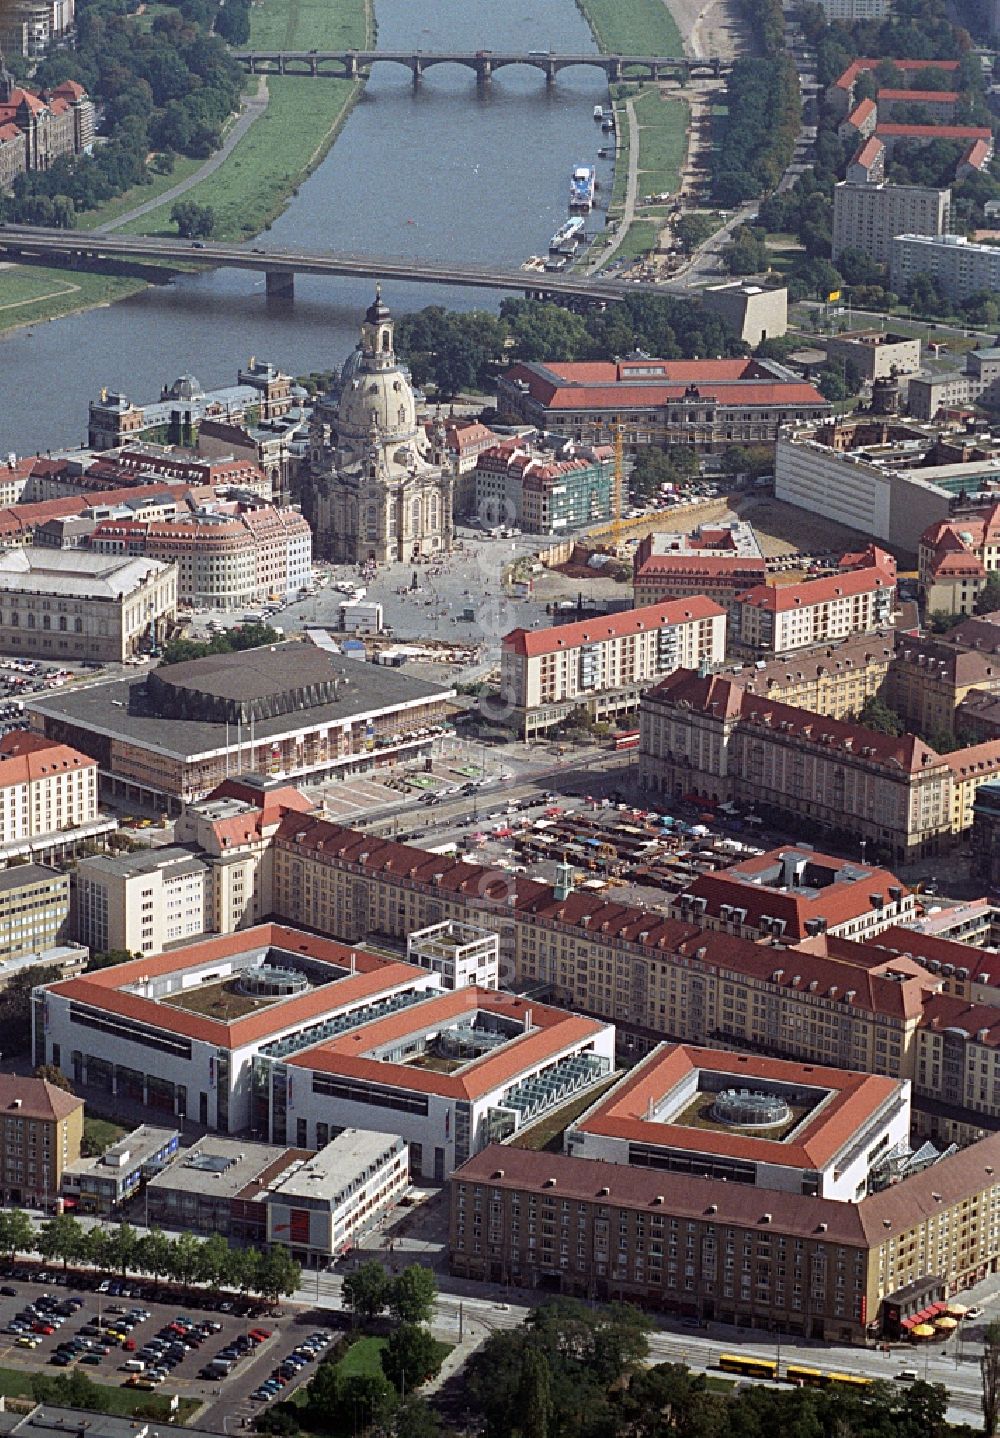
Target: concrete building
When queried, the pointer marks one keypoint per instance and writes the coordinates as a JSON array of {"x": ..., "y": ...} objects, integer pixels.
[
  {"x": 793, "y": 893},
  {"x": 143, "y": 902},
  {"x": 48, "y": 796},
  {"x": 929, "y": 679},
  {"x": 851, "y": 10},
  {"x": 67, "y": 604},
  {"x": 958, "y": 266},
  {"x": 42, "y": 1128},
  {"x": 287, "y": 712},
  {"x": 985, "y": 846},
  {"x": 101, "y": 1184},
  {"x": 813, "y": 1267},
  {"x": 34, "y": 911},
  {"x": 706, "y": 404},
  {"x": 219, "y": 1185},
  {"x": 978, "y": 383},
  {"x": 460, "y": 954},
  {"x": 751, "y": 312},
  {"x": 835, "y": 681},
  {"x": 884, "y": 477},
  {"x": 742, "y": 1119},
  {"x": 875, "y": 354},
  {"x": 261, "y": 1030},
  {"x": 604, "y": 663},
  {"x": 782, "y": 618},
  {"x": 955, "y": 559},
  {"x": 456, "y": 1070},
  {"x": 710, "y": 737},
  {"x": 226, "y": 555}
]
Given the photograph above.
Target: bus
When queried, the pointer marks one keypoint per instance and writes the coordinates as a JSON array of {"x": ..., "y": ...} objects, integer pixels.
[
  {"x": 848, "y": 1380},
  {"x": 806, "y": 1377},
  {"x": 749, "y": 1367},
  {"x": 628, "y": 740}
]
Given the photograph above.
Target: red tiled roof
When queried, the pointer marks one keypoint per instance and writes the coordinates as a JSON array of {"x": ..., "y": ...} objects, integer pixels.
[
  {"x": 977, "y": 759},
  {"x": 548, "y": 1033},
  {"x": 948, "y": 1011},
  {"x": 937, "y": 132},
  {"x": 857, "y": 67},
  {"x": 982, "y": 966},
  {"x": 560, "y": 637},
  {"x": 780, "y": 599},
  {"x": 854, "y": 1099},
  {"x": 710, "y": 565},
  {"x": 930, "y": 97},
  {"x": 741, "y": 382},
  {"x": 868, "y": 152},
  {"x": 977, "y": 154},
  {"x": 25, "y": 760},
  {"x": 861, "y": 112}
]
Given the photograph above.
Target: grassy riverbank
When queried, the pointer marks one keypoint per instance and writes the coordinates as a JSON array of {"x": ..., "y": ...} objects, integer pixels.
[
  {"x": 638, "y": 27},
  {"x": 300, "y": 123},
  {"x": 30, "y": 294}
]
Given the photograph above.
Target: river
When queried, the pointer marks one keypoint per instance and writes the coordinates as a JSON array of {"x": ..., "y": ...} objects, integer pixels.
[{"x": 440, "y": 172}]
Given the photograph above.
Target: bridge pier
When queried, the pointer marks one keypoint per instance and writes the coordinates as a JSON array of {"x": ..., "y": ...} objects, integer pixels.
[
  {"x": 614, "y": 67},
  {"x": 280, "y": 284},
  {"x": 550, "y": 75},
  {"x": 484, "y": 73},
  {"x": 418, "y": 73}
]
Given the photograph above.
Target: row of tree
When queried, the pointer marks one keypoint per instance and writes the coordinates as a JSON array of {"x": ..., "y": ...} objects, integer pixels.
[
  {"x": 765, "y": 109},
  {"x": 121, "y": 1249},
  {"x": 233, "y": 641}
]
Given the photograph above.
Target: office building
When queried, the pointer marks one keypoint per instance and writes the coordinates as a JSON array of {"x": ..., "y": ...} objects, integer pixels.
[
  {"x": 779, "y": 619},
  {"x": 836, "y": 680},
  {"x": 34, "y": 911},
  {"x": 69, "y": 604},
  {"x": 603, "y": 664},
  {"x": 875, "y": 354},
  {"x": 741, "y": 1119},
  {"x": 143, "y": 902},
  {"x": 42, "y": 1128},
  {"x": 286, "y": 711},
  {"x": 867, "y": 217},
  {"x": 102, "y": 1183},
  {"x": 543, "y": 488},
  {"x": 706, "y": 404}
]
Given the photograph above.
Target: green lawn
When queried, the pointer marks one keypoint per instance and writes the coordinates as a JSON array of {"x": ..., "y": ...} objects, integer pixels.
[
  {"x": 633, "y": 27},
  {"x": 663, "y": 127},
  {"x": 100, "y": 1133},
  {"x": 363, "y": 1358},
  {"x": 30, "y": 294},
  {"x": 641, "y": 238},
  {"x": 124, "y": 1402},
  {"x": 301, "y": 120}
]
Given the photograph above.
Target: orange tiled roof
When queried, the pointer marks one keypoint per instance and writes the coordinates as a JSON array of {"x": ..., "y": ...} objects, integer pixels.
[{"x": 562, "y": 637}]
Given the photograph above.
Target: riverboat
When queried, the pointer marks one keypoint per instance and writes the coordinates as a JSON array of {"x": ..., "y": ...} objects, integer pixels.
[
  {"x": 567, "y": 234},
  {"x": 581, "y": 188},
  {"x": 598, "y": 112}
]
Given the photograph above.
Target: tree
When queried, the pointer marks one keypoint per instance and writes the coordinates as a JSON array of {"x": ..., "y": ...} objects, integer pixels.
[
  {"x": 692, "y": 230},
  {"x": 410, "y": 1357},
  {"x": 534, "y": 1396},
  {"x": 185, "y": 1258},
  {"x": 988, "y": 598},
  {"x": 55, "y": 1076},
  {"x": 15, "y": 1008},
  {"x": 17, "y": 1232},
  {"x": 154, "y": 1254},
  {"x": 989, "y": 1367},
  {"x": 412, "y": 1294},
  {"x": 277, "y": 1274},
  {"x": 366, "y": 1291},
  {"x": 61, "y": 1237},
  {"x": 215, "y": 1264},
  {"x": 108, "y": 958},
  {"x": 367, "y": 1398},
  {"x": 193, "y": 221},
  {"x": 122, "y": 1247},
  {"x": 415, "y": 1418},
  {"x": 876, "y": 714}
]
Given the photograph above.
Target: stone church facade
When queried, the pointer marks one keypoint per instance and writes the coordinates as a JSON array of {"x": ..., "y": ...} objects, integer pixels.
[{"x": 380, "y": 488}]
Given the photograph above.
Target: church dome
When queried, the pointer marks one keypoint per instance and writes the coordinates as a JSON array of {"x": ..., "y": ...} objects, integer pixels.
[{"x": 383, "y": 400}]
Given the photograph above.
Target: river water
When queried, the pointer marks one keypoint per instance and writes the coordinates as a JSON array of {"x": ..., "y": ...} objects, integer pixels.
[{"x": 441, "y": 172}]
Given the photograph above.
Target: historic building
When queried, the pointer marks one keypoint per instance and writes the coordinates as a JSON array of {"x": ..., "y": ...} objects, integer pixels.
[{"x": 382, "y": 490}]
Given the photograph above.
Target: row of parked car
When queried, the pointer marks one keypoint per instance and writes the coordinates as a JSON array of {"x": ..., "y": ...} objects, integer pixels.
[
  {"x": 227, "y": 1358},
  {"x": 38, "y": 1319},
  {"x": 307, "y": 1352},
  {"x": 153, "y": 1362}
]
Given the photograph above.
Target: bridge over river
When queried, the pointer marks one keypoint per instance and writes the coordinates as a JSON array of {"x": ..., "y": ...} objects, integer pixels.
[
  {"x": 348, "y": 64},
  {"x": 78, "y": 247}
]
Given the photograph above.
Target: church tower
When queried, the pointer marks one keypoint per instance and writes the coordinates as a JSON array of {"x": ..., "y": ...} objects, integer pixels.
[{"x": 376, "y": 337}]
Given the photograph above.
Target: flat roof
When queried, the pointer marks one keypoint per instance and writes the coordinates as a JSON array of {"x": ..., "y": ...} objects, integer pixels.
[
  {"x": 119, "y": 708},
  {"x": 173, "y": 857},
  {"x": 343, "y": 1159},
  {"x": 219, "y": 1167},
  {"x": 848, "y": 1102},
  {"x": 22, "y": 875},
  {"x": 142, "y": 1144}
]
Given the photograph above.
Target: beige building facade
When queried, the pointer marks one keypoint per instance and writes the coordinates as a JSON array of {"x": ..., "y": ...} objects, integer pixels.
[{"x": 868, "y": 217}]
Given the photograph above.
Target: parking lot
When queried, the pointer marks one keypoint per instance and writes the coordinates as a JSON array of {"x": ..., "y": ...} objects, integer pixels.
[{"x": 149, "y": 1339}]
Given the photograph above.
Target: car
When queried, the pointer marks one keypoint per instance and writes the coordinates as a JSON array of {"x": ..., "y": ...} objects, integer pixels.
[
  {"x": 104, "y": 1286},
  {"x": 27, "y": 1340},
  {"x": 226, "y": 1306},
  {"x": 115, "y": 1308},
  {"x": 135, "y": 1381},
  {"x": 8, "y": 1291},
  {"x": 44, "y": 1328},
  {"x": 91, "y": 1358},
  {"x": 974, "y": 1312},
  {"x": 61, "y": 1360}
]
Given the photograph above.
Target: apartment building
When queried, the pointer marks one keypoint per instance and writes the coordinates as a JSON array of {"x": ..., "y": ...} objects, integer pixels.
[
  {"x": 603, "y": 664},
  {"x": 68, "y": 604},
  {"x": 868, "y": 217},
  {"x": 717, "y": 561},
  {"x": 959, "y": 266},
  {"x": 793, "y": 893},
  {"x": 780, "y": 619},
  {"x": 34, "y": 911},
  {"x": 930, "y": 678},
  {"x": 142, "y": 902},
  {"x": 971, "y": 767},
  {"x": 956, "y": 557},
  {"x": 841, "y": 92},
  {"x": 815, "y": 1267},
  {"x": 46, "y": 790},
  {"x": 707, "y": 735},
  {"x": 703, "y": 403},
  {"x": 227, "y": 555},
  {"x": 835, "y": 681},
  {"x": 543, "y": 489},
  {"x": 42, "y": 1128}
]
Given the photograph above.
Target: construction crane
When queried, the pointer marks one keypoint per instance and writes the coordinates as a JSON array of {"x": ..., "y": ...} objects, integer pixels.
[{"x": 618, "y": 491}]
